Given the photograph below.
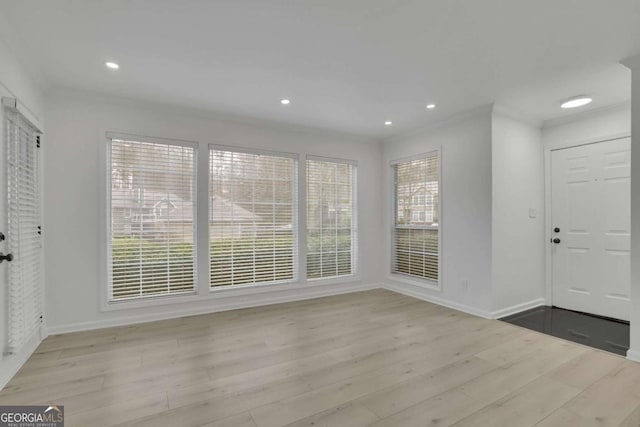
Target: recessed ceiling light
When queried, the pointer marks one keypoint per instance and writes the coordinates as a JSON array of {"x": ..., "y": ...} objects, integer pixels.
[
  {"x": 285, "y": 101},
  {"x": 388, "y": 123},
  {"x": 431, "y": 106},
  {"x": 576, "y": 101},
  {"x": 112, "y": 65}
]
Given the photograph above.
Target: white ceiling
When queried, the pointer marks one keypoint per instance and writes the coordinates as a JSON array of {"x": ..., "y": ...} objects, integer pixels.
[{"x": 347, "y": 65}]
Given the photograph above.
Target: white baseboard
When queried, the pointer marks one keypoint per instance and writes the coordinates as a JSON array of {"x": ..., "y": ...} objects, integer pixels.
[
  {"x": 12, "y": 363},
  {"x": 633, "y": 355},
  {"x": 440, "y": 301},
  {"x": 518, "y": 308},
  {"x": 231, "y": 303},
  {"x": 463, "y": 307}
]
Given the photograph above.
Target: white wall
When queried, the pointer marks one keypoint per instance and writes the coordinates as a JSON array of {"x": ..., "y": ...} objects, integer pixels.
[
  {"x": 592, "y": 126},
  {"x": 517, "y": 240},
  {"x": 76, "y": 122},
  {"x": 492, "y": 175},
  {"x": 466, "y": 209},
  {"x": 15, "y": 82}
]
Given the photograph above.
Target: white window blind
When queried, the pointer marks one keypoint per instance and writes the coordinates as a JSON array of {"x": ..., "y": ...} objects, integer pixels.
[
  {"x": 331, "y": 225},
  {"x": 151, "y": 232},
  {"x": 252, "y": 217},
  {"x": 416, "y": 226},
  {"x": 23, "y": 232}
]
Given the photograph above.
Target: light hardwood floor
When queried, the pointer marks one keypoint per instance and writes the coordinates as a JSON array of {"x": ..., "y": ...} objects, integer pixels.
[{"x": 370, "y": 358}]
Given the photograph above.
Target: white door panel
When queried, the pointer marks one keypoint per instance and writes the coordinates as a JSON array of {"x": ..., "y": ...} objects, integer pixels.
[{"x": 590, "y": 204}]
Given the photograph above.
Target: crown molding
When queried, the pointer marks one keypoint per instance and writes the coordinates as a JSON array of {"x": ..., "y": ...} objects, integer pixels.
[
  {"x": 516, "y": 115},
  {"x": 631, "y": 62},
  {"x": 203, "y": 113},
  {"x": 483, "y": 110},
  {"x": 584, "y": 115}
]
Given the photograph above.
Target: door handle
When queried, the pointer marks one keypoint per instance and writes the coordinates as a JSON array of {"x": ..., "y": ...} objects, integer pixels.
[
  {"x": 7, "y": 257},
  {"x": 556, "y": 240}
]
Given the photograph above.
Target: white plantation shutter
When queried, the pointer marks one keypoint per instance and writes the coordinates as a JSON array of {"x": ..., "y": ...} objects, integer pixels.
[
  {"x": 331, "y": 225},
  {"x": 416, "y": 238},
  {"x": 252, "y": 217},
  {"x": 151, "y": 235},
  {"x": 23, "y": 232}
]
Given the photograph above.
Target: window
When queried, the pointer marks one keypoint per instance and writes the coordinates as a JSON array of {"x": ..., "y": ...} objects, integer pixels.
[
  {"x": 252, "y": 217},
  {"x": 252, "y": 213},
  {"x": 24, "y": 278},
  {"x": 331, "y": 225},
  {"x": 416, "y": 224},
  {"x": 151, "y": 206}
]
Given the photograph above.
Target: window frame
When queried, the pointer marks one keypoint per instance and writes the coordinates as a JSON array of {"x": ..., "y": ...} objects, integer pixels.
[
  {"x": 106, "y": 303},
  {"x": 355, "y": 258},
  {"x": 204, "y": 295},
  {"x": 296, "y": 225},
  {"x": 407, "y": 278}
]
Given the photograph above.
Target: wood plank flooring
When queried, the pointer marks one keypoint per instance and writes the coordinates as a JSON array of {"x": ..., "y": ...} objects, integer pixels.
[{"x": 369, "y": 358}]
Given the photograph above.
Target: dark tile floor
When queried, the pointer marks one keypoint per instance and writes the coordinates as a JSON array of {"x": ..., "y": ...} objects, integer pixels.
[{"x": 606, "y": 334}]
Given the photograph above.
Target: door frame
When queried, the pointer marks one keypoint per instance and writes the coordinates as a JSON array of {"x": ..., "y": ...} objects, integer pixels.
[{"x": 548, "y": 270}]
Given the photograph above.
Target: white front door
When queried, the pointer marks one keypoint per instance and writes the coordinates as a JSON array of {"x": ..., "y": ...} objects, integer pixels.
[{"x": 590, "y": 222}]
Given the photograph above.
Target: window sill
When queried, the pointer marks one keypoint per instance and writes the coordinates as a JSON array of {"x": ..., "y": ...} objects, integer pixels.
[
  {"x": 269, "y": 287},
  {"x": 422, "y": 283},
  {"x": 148, "y": 302},
  {"x": 251, "y": 288},
  {"x": 224, "y": 292},
  {"x": 334, "y": 280}
]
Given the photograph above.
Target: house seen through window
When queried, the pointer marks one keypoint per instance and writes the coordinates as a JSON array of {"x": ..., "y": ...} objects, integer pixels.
[
  {"x": 151, "y": 210},
  {"x": 416, "y": 227}
]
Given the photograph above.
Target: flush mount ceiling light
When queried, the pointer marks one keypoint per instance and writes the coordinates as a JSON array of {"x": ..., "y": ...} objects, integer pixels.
[
  {"x": 112, "y": 65},
  {"x": 285, "y": 101},
  {"x": 431, "y": 106},
  {"x": 388, "y": 123},
  {"x": 576, "y": 101}
]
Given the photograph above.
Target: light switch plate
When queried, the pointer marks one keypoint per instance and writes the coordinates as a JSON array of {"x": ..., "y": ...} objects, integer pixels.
[{"x": 533, "y": 213}]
